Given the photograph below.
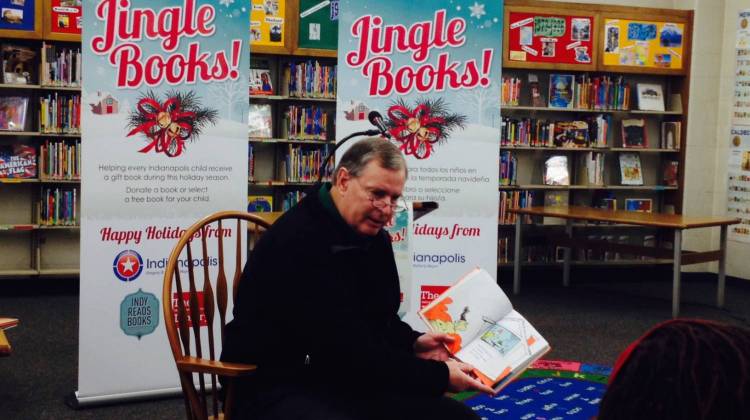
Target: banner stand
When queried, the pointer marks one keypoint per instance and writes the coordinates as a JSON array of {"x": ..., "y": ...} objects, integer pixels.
[{"x": 76, "y": 402}]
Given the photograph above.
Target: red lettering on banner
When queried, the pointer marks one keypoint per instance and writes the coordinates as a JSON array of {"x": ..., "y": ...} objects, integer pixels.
[
  {"x": 429, "y": 293},
  {"x": 377, "y": 41},
  {"x": 202, "y": 321},
  {"x": 170, "y": 25}
]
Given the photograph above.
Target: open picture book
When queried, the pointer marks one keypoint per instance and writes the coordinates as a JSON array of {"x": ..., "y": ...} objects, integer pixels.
[{"x": 488, "y": 333}]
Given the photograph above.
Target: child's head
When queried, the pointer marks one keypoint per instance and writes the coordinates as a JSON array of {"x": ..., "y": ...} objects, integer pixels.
[{"x": 682, "y": 369}]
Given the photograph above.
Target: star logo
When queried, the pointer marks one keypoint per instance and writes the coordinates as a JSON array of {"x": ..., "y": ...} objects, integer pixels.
[
  {"x": 127, "y": 265},
  {"x": 477, "y": 10}
]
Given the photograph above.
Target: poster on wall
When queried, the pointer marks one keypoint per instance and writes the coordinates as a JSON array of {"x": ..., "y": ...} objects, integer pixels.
[
  {"x": 165, "y": 126},
  {"x": 741, "y": 97},
  {"x": 738, "y": 171},
  {"x": 436, "y": 81},
  {"x": 267, "y": 22},
  {"x": 19, "y": 15},
  {"x": 545, "y": 38},
  {"x": 65, "y": 16},
  {"x": 643, "y": 44}
]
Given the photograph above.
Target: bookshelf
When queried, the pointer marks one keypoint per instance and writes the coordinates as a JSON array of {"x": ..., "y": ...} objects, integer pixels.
[
  {"x": 598, "y": 98},
  {"x": 41, "y": 238},
  {"x": 291, "y": 127}
]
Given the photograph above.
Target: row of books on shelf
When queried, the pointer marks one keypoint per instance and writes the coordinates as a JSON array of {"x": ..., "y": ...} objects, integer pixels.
[
  {"x": 300, "y": 164},
  {"x": 514, "y": 200},
  {"x": 568, "y": 91},
  {"x": 60, "y": 66},
  {"x": 56, "y": 161},
  {"x": 58, "y": 114},
  {"x": 591, "y": 170},
  {"x": 592, "y": 132},
  {"x": 306, "y": 79},
  {"x": 300, "y": 123},
  {"x": 59, "y": 207},
  {"x": 508, "y": 168},
  {"x": 539, "y": 253}
]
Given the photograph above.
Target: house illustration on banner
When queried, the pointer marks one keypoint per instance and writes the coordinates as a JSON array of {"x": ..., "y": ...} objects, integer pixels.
[
  {"x": 106, "y": 104},
  {"x": 357, "y": 111}
]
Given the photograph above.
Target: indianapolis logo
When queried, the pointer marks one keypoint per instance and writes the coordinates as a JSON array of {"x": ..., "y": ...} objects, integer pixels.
[{"x": 127, "y": 265}]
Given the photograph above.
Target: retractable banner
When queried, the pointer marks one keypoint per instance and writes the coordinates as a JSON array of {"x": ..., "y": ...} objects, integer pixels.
[
  {"x": 432, "y": 70},
  {"x": 164, "y": 144}
]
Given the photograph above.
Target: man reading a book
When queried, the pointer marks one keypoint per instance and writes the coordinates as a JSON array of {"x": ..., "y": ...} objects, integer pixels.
[{"x": 317, "y": 309}]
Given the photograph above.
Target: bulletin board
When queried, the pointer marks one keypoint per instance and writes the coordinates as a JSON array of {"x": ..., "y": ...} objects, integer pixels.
[
  {"x": 20, "y": 18},
  {"x": 63, "y": 19},
  {"x": 643, "y": 44},
  {"x": 547, "y": 38},
  {"x": 267, "y": 19}
]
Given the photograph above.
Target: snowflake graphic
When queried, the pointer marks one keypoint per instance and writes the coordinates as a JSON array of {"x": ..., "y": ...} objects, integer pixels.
[
  {"x": 477, "y": 10},
  {"x": 228, "y": 3}
]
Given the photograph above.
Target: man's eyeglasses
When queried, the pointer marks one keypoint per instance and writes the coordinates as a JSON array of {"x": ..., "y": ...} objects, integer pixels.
[{"x": 397, "y": 206}]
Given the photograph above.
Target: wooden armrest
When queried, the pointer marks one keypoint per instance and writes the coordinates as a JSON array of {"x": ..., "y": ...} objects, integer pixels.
[
  {"x": 194, "y": 364},
  {"x": 5, "y": 348}
]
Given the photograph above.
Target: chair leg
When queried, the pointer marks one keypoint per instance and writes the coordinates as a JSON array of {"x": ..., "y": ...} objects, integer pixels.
[{"x": 229, "y": 401}]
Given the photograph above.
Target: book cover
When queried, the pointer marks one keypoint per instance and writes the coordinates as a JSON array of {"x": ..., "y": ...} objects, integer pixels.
[
  {"x": 650, "y": 97},
  {"x": 555, "y": 199},
  {"x": 18, "y": 65},
  {"x": 488, "y": 333},
  {"x": 13, "y": 113},
  {"x": 634, "y": 133},
  {"x": 630, "y": 169},
  {"x": 260, "y": 121},
  {"x": 259, "y": 203},
  {"x": 260, "y": 82},
  {"x": 556, "y": 170},
  {"x": 561, "y": 90},
  {"x": 639, "y": 204},
  {"x": 18, "y": 162},
  {"x": 571, "y": 134},
  {"x": 670, "y": 135},
  {"x": 671, "y": 172}
]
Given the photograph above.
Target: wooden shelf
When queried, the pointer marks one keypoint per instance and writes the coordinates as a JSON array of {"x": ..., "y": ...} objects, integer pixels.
[
  {"x": 280, "y": 183},
  {"x": 61, "y": 227},
  {"x": 588, "y": 149},
  {"x": 59, "y": 272},
  {"x": 18, "y": 227},
  {"x": 40, "y": 87},
  {"x": 19, "y": 273},
  {"x": 295, "y": 141},
  {"x": 585, "y": 110},
  {"x": 59, "y": 181}
]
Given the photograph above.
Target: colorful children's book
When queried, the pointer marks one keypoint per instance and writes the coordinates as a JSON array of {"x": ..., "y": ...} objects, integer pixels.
[
  {"x": 18, "y": 161},
  {"x": 488, "y": 333},
  {"x": 643, "y": 205},
  {"x": 13, "y": 112},
  {"x": 670, "y": 135},
  {"x": 260, "y": 82},
  {"x": 556, "y": 170},
  {"x": 630, "y": 169},
  {"x": 259, "y": 203},
  {"x": 561, "y": 90},
  {"x": 260, "y": 121},
  {"x": 650, "y": 97}
]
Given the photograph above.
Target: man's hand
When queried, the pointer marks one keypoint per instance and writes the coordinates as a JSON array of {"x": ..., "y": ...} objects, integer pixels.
[
  {"x": 460, "y": 380},
  {"x": 432, "y": 346}
]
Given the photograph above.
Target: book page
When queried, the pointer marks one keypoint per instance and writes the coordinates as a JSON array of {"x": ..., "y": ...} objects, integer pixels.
[
  {"x": 506, "y": 346},
  {"x": 467, "y": 309}
]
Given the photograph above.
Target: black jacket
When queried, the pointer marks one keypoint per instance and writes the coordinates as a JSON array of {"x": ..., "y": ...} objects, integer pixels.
[{"x": 317, "y": 305}]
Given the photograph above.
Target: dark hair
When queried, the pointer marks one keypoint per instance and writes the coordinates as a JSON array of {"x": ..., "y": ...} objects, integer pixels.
[
  {"x": 682, "y": 369},
  {"x": 365, "y": 151}
]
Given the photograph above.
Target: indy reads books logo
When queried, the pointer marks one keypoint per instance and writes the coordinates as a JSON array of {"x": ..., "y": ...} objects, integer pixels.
[{"x": 488, "y": 334}]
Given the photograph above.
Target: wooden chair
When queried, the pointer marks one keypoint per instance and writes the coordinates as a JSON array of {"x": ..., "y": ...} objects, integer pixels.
[{"x": 192, "y": 338}]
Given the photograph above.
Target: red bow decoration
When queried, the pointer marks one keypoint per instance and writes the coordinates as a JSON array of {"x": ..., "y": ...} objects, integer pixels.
[
  {"x": 416, "y": 130},
  {"x": 168, "y": 126}
]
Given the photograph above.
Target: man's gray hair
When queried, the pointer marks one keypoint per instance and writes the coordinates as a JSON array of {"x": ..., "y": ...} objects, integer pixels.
[{"x": 365, "y": 151}]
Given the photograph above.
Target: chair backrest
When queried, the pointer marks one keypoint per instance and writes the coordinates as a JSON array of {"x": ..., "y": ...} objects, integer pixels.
[{"x": 192, "y": 337}]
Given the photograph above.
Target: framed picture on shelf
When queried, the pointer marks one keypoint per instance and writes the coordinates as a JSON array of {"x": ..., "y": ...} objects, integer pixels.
[
  {"x": 20, "y": 19},
  {"x": 13, "y": 113},
  {"x": 643, "y": 205},
  {"x": 634, "y": 133},
  {"x": 63, "y": 19},
  {"x": 650, "y": 97},
  {"x": 561, "y": 90}
]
